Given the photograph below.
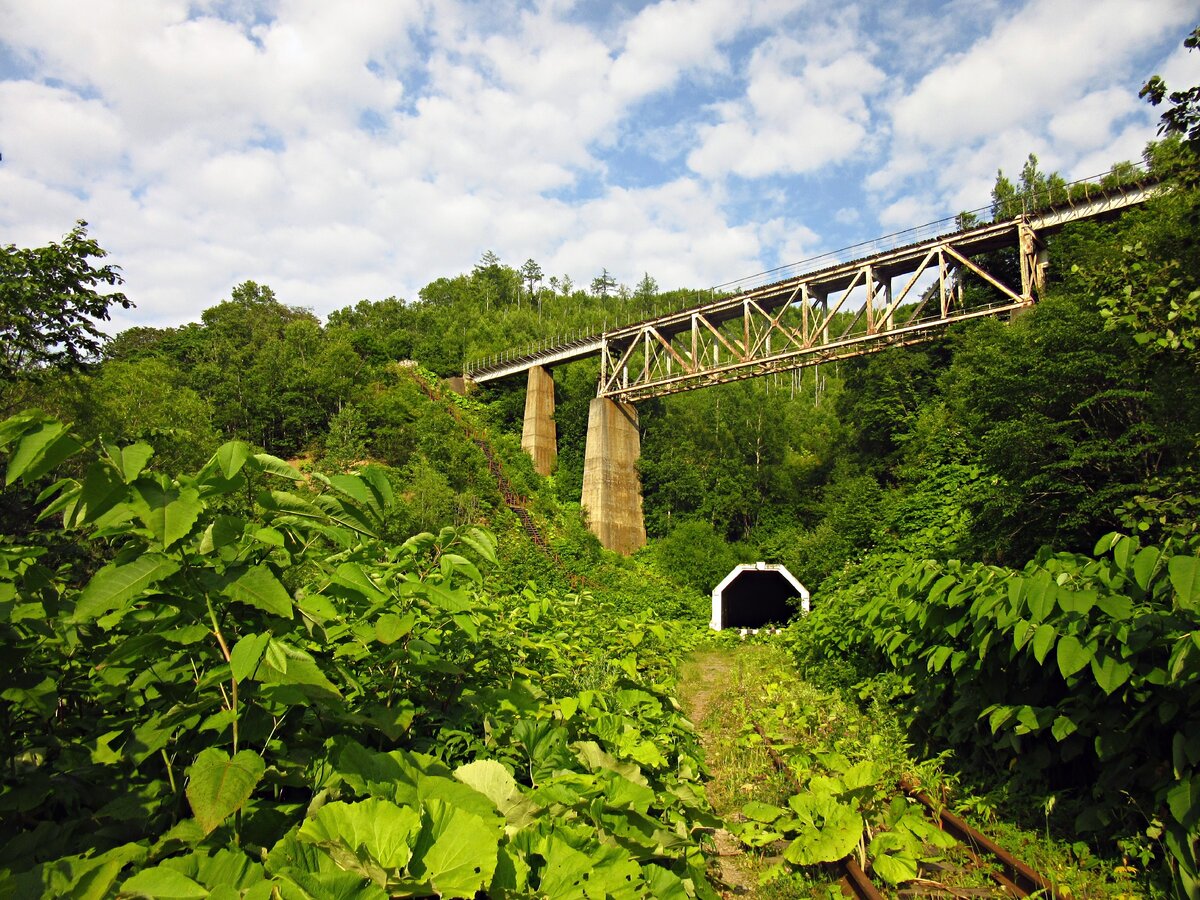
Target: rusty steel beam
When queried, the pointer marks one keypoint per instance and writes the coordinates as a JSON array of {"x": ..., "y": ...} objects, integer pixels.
[
  {"x": 759, "y": 312},
  {"x": 1016, "y": 873},
  {"x": 790, "y": 359}
]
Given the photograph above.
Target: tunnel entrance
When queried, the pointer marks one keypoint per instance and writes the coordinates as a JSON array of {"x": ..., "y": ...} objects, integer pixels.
[{"x": 756, "y": 596}]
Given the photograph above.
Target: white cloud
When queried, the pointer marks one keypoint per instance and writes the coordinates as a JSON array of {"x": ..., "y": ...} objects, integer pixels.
[
  {"x": 907, "y": 212},
  {"x": 57, "y": 137},
  {"x": 805, "y": 106},
  {"x": 339, "y": 151},
  {"x": 1058, "y": 78},
  {"x": 670, "y": 37},
  {"x": 1088, "y": 122},
  {"x": 1181, "y": 70},
  {"x": 1040, "y": 59}
]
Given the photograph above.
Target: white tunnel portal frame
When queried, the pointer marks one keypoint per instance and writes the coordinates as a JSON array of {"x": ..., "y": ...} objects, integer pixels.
[{"x": 761, "y": 570}]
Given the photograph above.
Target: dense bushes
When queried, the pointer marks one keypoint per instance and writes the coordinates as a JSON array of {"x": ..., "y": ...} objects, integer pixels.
[
  {"x": 256, "y": 695},
  {"x": 1078, "y": 673}
]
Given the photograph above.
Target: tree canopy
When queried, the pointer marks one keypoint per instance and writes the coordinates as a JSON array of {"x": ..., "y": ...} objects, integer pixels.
[{"x": 51, "y": 299}]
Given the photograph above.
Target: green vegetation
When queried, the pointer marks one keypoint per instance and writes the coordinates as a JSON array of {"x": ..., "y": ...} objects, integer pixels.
[
  {"x": 256, "y": 693},
  {"x": 284, "y": 617}
]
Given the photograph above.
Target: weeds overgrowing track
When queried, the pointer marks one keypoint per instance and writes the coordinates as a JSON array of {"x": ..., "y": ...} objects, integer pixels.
[{"x": 823, "y": 798}]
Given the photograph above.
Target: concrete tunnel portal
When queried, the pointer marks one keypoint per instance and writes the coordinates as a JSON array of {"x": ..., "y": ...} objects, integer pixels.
[{"x": 756, "y": 596}]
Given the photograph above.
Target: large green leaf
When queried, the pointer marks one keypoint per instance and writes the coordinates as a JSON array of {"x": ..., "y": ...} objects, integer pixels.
[
  {"x": 1144, "y": 566},
  {"x": 834, "y": 829},
  {"x": 481, "y": 541},
  {"x": 1063, "y": 728},
  {"x": 84, "y": 877},
  {"x": 1116, "y": 606},
  {"x": 273, "y": 465},
  {"x": 129, "y": 461},
  {"x": 227, "y": 872},
  {"x": 115, "y": 585},
  {"x": 566, "y": 868},
  {"x": 373, "y": 837},
  {"x": 231, "y": 457},
  {"x": 1110, "y": 672},
  {"x": 1185, "y": 578},
  {"x": 247, "y": 653},
  {"x": 38, "y": 450},
  {"x": 390, "y": 627},
  {"x": 218, "y": 786},
  {"x": 103, "y": 489},
  {"x": 1077, "y": 601},
  {"x": 163, "y": 883},
  {"x": 664, "y": 884},
  {"x": 1072, "y": 655},
  {"x": 356, "y": 489},
  {"x": 284, "y": 664},
  {"x": 1043, "y": 640},
  {"x": 168, "y": 512},
  {"x": 223, "y": 531},
  {"x": 1184, "y": 802},
  {"x": 762, "y": 812},
  {"x": 352, "y": 576},
  {"x": 323, "y": 510},
  {"x": 377, "y": 480},
  {"x": 895, "y": 868},
  {"x": 491, "y": 779},
  {"x": 1040, "y": 592},
  {"x": 452, "y": 601},
  {"x": 258, "y": 587},
  {"x": 456, "y": 852}
]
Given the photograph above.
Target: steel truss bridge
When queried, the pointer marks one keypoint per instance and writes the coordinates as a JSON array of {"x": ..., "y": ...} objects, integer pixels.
[{"x": 889, "y": 298}]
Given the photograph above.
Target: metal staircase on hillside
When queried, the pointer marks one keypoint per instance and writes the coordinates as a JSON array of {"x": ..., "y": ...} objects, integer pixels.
[{"x": 518, "y": 504}]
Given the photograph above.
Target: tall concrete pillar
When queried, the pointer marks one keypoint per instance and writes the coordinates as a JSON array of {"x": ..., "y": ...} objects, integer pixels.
[
  {"x": 612, "y": 491},
  {"x": 538, "y": 436}
]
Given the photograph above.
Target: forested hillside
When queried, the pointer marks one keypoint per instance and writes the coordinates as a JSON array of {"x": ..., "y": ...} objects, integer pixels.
[{"x": 285, "y": 616}]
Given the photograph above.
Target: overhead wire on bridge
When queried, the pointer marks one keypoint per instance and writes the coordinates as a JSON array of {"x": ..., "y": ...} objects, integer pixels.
[{"x": 731, "y": 336}]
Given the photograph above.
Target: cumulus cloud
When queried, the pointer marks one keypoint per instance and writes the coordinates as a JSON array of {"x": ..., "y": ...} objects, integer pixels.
[
  {"x": 1041, "y": 59},
  {"x": 805, "y": 106},
  {"x": 343, "y": 151},
  {"x": 1058, "y": 78}
]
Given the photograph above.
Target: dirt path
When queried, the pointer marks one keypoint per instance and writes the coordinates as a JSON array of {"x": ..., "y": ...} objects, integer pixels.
[{"x": 709, "y": 681}]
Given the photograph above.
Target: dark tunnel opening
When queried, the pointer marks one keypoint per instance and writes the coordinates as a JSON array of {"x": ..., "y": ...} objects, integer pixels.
[{"x": 755, "y": 599}]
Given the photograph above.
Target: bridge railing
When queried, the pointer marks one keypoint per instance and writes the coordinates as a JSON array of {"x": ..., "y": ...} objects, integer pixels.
[{"x": 1056, "y": 196}]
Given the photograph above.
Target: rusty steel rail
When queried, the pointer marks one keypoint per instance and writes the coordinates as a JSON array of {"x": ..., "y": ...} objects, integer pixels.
[
  {"x": 1016, "y": 873},
  {"x": 1017, "y": 879},
  {"x": 854, "y": 881}
]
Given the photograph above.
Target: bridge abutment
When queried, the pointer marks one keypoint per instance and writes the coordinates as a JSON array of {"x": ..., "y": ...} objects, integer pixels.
[
  {"x": 539, "y": 437},
  {"x": 612, "y": 490}
]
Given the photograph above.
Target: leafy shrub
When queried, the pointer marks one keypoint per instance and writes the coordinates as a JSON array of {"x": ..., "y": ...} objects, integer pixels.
[
  {"x": 1083, "y": 671},
  {"x": 695, "y": 556},
  {"x": 281, "y": 702}
]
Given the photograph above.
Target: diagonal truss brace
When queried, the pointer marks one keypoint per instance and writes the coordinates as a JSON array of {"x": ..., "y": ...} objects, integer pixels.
[{"x": 792, "y": 324}]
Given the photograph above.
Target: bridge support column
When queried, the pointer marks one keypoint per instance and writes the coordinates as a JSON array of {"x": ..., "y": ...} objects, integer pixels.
[
  {"x": 612, "y": 491},
  {"x": 538, "y": 436}
]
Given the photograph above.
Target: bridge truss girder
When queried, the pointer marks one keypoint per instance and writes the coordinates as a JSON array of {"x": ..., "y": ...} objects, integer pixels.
[{"x": 808, "y": 320}]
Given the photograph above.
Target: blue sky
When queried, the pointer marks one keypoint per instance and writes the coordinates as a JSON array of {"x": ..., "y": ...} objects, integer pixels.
[{"x": 341, "y": 152}]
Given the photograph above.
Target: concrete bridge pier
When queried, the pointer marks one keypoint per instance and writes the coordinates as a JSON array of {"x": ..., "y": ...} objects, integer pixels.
[
  {"x": 539, "y": 437},
  {"x": 612, "y": 490}
]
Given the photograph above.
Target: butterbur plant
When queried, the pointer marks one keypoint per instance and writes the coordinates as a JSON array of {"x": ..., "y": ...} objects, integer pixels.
[{"x": 254, "y": 695}]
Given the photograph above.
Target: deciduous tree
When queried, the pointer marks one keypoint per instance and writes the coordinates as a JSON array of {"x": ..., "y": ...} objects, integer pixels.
[{"x": 50, "y": 303}]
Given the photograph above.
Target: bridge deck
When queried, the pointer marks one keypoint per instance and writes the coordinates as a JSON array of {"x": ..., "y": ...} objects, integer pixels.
[{"x": 812, "y": 287}]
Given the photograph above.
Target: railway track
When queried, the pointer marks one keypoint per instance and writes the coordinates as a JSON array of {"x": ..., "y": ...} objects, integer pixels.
[{"x": 1012, "y": 877}]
